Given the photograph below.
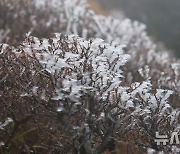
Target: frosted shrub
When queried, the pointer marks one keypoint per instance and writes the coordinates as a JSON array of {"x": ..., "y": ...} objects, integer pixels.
[
  {"x": 77, "y": 85},
  {"x": 43, "y": 18},
  {"x": 98, "y": 84}
]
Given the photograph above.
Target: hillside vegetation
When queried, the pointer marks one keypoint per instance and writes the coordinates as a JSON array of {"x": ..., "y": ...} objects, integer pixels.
[{"x": 72, "y": 81}]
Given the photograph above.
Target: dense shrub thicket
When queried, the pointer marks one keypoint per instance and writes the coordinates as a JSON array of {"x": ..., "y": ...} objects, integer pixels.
[{"x": 74, "y": 93}]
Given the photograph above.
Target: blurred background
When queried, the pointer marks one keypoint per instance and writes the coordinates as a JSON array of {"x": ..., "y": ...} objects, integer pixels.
[{"x": 162, "y": 17}]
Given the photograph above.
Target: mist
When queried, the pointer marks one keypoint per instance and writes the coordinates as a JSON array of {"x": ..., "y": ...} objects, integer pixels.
[{"x": 161, "y": 17}]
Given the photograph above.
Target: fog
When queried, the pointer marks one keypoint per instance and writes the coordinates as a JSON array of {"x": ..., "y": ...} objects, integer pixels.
[{"x": 161, "y": 17}]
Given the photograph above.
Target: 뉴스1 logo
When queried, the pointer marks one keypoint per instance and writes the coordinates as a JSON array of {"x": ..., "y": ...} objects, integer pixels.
[{"x": 164, "y": 139}]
